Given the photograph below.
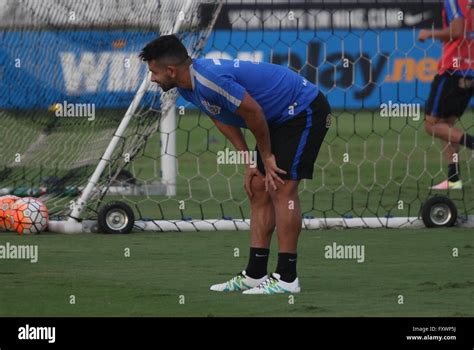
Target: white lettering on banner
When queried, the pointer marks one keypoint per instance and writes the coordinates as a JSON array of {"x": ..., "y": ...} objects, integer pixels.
[
  {"x": 360, "y": 18},
  {"x": 120, "y": 79},
  {"x": 86, "y": 72}
]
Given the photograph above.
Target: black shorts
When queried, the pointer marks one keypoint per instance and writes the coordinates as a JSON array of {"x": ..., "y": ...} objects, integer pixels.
[
  {"x": 449, "y": 95},
  {"x": 296, "y": 143}
]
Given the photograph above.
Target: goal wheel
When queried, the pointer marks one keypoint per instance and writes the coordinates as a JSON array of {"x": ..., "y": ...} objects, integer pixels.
[
  {"x": 439, "y": 211},
  {"x": 116, "y": 217}
]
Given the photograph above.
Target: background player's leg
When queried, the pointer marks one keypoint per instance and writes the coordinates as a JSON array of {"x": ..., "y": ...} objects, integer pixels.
[
  {"x": 451, "y": 151},
  {"x": 444, "y": 130},
  {"x": 449, "y": 136}
]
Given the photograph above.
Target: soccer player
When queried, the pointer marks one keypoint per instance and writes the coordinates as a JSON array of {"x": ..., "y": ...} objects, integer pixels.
[
  {"x": 452, "y": 87},
  {"x": 289, "y": 118}
]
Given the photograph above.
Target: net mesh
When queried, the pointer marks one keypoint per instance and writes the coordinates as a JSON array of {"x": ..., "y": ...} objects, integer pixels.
[{"x": 364, "y": 57}]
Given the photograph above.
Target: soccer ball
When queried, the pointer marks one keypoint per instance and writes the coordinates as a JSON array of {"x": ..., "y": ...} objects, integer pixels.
[
  {"x": 30, "y": 216},
  {"x": 6, "y": 204}
]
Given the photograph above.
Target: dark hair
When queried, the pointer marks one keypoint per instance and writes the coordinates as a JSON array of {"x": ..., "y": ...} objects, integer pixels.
[{"x": 166, "y": 46}]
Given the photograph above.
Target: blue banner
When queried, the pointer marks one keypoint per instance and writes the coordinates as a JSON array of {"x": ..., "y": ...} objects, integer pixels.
[{"x": 355, "y": 69}]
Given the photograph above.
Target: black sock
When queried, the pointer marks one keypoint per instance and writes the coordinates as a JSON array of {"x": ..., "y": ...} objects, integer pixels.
[
  {"x": 453, "y": 172},
  {"x": 258, "y": 260},
  {"x": 286, "y": 266},
  {"x": 467, "y": 140}
]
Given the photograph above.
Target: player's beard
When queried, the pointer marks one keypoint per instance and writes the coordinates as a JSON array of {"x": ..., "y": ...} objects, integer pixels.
[{"x": 166, "y": 86}]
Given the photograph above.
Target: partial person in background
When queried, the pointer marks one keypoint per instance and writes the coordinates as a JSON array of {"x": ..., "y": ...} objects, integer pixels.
[{"x": 452, "y": 87}]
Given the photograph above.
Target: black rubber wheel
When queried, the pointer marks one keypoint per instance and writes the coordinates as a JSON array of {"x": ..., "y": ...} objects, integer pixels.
[
  {"x": 439, "y": 211},
  {"x": 116, "y": 217}
]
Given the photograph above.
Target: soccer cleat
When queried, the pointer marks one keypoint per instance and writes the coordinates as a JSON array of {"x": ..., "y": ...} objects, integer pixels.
[
  {"x": 274, "y": 285},
  {"x": 238, "y": 283},
  {"x": 446, "y": 184}
]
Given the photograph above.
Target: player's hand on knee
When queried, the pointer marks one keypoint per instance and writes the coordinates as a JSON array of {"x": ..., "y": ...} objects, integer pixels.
[
  {"x": 271, "y": 173},
  {"x": 250, "y": 172}
]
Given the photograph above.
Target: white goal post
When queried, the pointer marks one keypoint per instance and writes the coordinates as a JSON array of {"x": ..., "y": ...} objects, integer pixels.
[{"x": 181, "y": 11}]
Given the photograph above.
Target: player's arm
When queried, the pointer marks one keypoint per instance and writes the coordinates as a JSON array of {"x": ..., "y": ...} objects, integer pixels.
[
  {"x": 233, "y": 134},
  {"x": 453, "y": 32},
  {"x": 255, "y": 120},
  {"x": 253, "y": 115}
]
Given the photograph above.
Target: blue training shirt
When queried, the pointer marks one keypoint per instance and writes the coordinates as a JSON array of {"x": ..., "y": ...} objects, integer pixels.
[{"x": 219, "y": 86}]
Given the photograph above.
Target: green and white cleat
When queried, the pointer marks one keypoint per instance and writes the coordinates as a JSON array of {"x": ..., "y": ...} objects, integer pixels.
[
  {"x": 238, "y": 283},
  {"x": 274, "y": 285}
]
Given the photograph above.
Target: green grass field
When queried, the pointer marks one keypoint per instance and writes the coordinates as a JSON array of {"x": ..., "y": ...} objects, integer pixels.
[{"x": 162, "y": 267}]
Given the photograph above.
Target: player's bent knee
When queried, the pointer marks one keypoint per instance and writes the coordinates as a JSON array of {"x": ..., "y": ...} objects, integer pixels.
[
  {"x": 428, "y": 127},
  {"x": 257, "y": 185},
  {"x": 260, "y": 195},
  {"x": 429, "y": 123}
]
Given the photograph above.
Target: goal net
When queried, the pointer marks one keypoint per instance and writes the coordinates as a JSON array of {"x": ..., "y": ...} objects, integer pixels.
[{"x": 71, "y": 71}]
